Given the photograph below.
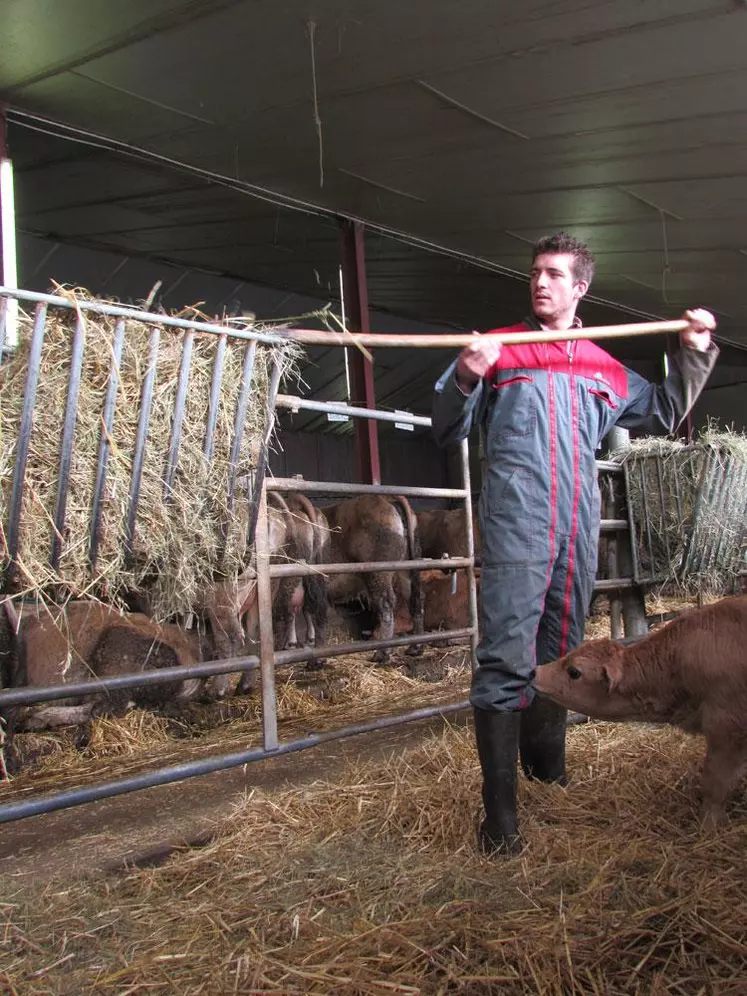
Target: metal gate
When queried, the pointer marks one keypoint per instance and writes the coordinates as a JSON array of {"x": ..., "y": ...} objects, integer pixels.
[{"x": 614, "y": 525}]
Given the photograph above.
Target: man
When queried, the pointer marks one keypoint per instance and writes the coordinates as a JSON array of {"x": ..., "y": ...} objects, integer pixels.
[{"x": 543, "y": 410}]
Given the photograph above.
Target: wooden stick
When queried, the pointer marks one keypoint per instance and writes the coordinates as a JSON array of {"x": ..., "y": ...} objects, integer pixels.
[{"x": 309, "y": 337}]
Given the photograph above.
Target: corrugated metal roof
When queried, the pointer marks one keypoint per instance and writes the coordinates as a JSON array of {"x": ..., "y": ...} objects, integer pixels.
[{"x": 475, "y": 127}]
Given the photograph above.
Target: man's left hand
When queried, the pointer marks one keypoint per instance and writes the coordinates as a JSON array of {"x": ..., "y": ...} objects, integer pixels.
[{"x": 698, "y": 335}]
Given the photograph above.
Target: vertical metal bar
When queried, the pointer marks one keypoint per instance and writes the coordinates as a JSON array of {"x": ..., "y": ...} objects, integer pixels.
[
  {"x": 146, "y": 400},
  {"x": 664, "y": 506},
  {"x": 471, "y": 584},
  {"x": 632, "y": 534},
  {"x": 179, "y": 405},
  {"x": 3, "y": 325},
  {"x": 355, "y": 290},
  {"x": 215, "y": 385},
  {"x": 240, "y": 419},
  {"x": 266, "y": 635},
  {"x": 612, "y": 565},
  {"x": 24, "y": 433},
  {"x": 647, "y": 523},
  {"x": 68, "y": 434},
  {"x": 107, "y": 424},
  {"x": 259, "y": 477}
]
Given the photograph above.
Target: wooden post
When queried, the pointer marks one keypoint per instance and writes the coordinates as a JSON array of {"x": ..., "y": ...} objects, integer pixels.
[{"x": 355, "y": 291}]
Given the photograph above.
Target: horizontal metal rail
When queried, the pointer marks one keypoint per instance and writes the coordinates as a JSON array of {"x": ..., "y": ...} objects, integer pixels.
[
  {"x": 613, "y": 526},
  {"x": 367, "y": 567},
  {"x": 283, "y": 658},
  {"x": 614, "y": 584},
  {"x": 336, "y": 488},
  {"x": 294, "y": 404},
  {"x": 178, "y": 772},
  {"x": 147, "y": 317}
]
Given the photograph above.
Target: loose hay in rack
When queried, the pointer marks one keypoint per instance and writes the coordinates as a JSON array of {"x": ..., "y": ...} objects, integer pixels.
[
  {"x": 179, "y": 545},
  {"x": 688, "y": 504}
]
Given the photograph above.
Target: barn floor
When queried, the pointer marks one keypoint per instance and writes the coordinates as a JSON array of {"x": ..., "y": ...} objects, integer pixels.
[{"x": 365, "y": 880}]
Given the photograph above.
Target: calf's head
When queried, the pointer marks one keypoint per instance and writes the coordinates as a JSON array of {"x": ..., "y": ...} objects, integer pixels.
[{"x": 587, "y": 680}]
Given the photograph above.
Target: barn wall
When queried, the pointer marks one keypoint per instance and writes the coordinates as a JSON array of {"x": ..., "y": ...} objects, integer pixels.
[
  {"x": 727, "y": 404},
  {"x": 413, "y": 461}
]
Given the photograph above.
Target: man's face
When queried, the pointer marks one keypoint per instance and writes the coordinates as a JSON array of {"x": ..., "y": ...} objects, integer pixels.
[{"x": 555, "y": 293}]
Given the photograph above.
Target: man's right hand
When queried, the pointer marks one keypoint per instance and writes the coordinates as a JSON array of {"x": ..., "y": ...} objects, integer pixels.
[{"x": 475, "y": 360}]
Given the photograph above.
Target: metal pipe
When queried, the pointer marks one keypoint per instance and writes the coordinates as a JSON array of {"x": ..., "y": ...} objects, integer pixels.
[
  {"x": 614, "y": 584},
  {"x": 266, "y": 636},
  {"x": 299, "y": 570},
  {"x": 333, "y": 488},
  {"x": 28, "y": 695},
  {"x": 294, "y": 404},
  {"x": 24, "y": 434},
  {"x": 215, "y": 385},
  {"x": 178, "y": 772},
  {"x": 259, "y": 476},
  {"x": 107, "y": 424},
  {"x": 66, "y": 445},
  {"x": 179, "y": 406},
  {"x": 614, "y": 526},
  {"x": 240, "y": 418},
  {"x": 146, "y": 400},
  {"x": 284, "y": 658},
  {"x": 146, "y": 317},
  {"x": 470, "y": 537}
]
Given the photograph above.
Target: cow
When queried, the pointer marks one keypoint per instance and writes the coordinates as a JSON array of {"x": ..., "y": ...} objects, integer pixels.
[
  {"x": 443, "y": 533},
  {"x": 691, "y": 674},
  {"x": 50, "y": 645},
  {"x": 297, "y": 532},
  {"x": 372, "y": 528}
]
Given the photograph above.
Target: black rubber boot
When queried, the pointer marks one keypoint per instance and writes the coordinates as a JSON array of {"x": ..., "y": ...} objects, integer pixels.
[
  {"x": 542, "y": 741},
  {"x": 497, "y": 736}
]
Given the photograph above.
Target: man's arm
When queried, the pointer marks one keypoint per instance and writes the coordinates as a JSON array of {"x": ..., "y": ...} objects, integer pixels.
[
  {"x": 661, "y": 408},
  {"x": 460, "y": 392}
]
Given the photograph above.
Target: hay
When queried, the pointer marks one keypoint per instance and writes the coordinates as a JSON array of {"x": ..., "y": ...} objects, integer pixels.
[
  {"x": 689, "y": 507},
  {"x": 349, "y": 690},
  {"x": 369, "y": 883},
  {"x": 179, "y": 546}
]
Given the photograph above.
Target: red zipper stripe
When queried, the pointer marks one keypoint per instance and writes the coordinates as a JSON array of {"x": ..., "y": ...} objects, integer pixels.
[{"x": 565, "y": 625}]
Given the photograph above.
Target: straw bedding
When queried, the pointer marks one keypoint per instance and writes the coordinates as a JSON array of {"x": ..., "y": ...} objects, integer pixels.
[
  {"x": 178, "y": 545},
  {"x": 369, "y": 883}
]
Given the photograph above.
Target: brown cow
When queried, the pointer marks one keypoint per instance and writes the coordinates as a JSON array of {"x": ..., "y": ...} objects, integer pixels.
[
  {"x": 297, "y": 533},
  {"x": 443, "y": 533},
  {"x": 85, "y": 640},
  {"x": 375, "y": 528},
  {"x": 692, "y": 674}
]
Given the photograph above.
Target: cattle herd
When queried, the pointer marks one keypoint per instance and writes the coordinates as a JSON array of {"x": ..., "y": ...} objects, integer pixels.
[
  {"x": 46, "y": 645},
  {"x": 691, "y": 674}
]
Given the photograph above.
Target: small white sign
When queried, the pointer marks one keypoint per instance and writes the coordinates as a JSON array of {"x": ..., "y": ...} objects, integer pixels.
[
  {"x": 407, "y": 426},
  {"x": 338, "y": 416}
]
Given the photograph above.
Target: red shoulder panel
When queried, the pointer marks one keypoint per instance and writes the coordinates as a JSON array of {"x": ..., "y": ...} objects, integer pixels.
[{"x": 588, "y": 359}]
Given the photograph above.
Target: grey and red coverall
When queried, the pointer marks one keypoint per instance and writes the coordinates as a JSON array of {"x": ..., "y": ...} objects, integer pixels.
[{"x": 543, "y": 410}]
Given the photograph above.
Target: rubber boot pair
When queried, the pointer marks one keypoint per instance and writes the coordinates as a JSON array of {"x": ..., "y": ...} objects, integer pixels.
[{"x": 538, "y": 735}]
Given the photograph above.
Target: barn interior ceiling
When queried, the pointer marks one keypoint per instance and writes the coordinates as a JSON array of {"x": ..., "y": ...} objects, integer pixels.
[{"x": 226, "y": 135}]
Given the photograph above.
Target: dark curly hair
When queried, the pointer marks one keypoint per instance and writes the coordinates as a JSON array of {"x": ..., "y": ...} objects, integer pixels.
[{"x": 583, "y": 261}]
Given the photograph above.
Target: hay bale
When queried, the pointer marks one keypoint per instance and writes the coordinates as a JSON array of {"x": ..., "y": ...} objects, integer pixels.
[
  {"x": 178, "y": 546},
  {"x": 689, "y": 510}
]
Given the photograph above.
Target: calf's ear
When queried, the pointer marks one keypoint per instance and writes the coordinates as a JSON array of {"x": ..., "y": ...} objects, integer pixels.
[{"x": 612, "y": 674}]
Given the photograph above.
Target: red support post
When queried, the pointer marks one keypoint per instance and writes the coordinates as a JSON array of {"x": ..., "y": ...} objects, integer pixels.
[{"x": 355, "y": 291}]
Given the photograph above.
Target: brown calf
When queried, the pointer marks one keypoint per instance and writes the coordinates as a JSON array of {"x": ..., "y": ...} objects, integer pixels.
[{"x": 692, "y": 674}]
